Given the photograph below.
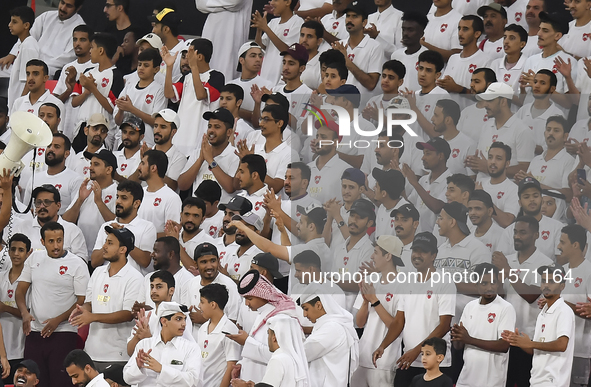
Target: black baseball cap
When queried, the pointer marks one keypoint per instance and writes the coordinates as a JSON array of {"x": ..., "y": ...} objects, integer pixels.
[
  {"x": 425, "y": 241},
  {"x": 355, "y": 175},
  {"x": 205, "y": 249},
  {"x": 105, "y": 155},
  {"x": 315, "y": 212},
  {"x": 355, "y": 6},
  {"x": 237, "y": 203},
  {"x": 407, "y": 210},
  {"x": 436, "y": 144},
  {"x": 269, "y": 262},
  {"x": 554, "y": 271},
  {"x": 31, "y": 366},
  {"x": 221, "y": 114},
  {"x": 278, "y": 98},
  {"x": 349, "y": 92},
  {"x": 135, "y": 123},
  {"x": 484, "y": 197},
  {"x": 459, "y": 212},
  {"x": 363, "y": 208},
  {"x": 167, "y": 16},
  {"x": 125, "y": 237},
  {"x": 526, "y": 183},
  {"x": 47, "y": 188},
  {"x": 391, "y": 181}
]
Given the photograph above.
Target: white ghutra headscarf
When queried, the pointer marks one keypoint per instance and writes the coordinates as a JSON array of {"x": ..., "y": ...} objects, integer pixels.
[{"x": 290, "y": 338}]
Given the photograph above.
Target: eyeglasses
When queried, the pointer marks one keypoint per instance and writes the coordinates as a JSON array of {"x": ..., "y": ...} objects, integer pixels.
[
  {"x": 109, "y": 5},
  {"x": 267, "y": 119},
  {"x": 45, "y": 203}
]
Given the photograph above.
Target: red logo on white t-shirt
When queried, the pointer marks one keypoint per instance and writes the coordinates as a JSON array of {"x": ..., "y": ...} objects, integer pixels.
[
  {"x": 427, "y": 107},
  {"x": 392, "y": 223},
  {"x": 222, "y": 254},
  {"x": 335, "y": 25},
  {"x": 489, "y": 245},
  {"x": 351, "y": 56},
  {"x": 429, "y": 294},
  {"x": 555, "y": 69},
  {"x": 443, "y": 27},
  {"x": 578, "y": 282},
  {"x": 108, "y": 198},
  {"x": 63, "y": 270},
  {"x": 149, "y": 98},
  {"x": 518, "y": 16},
  {"x": 212, "y": 230},
  {"x": 105, "y": 288},
  {"x": 236, "y": 266},
  {"x": 85, "y": 170},
  {"x": 455, "y": 153},
  {"x": 298, "y": 214},
  {"x": 586, "y": 37},
  {"x": 389, "y": 297},
  {"x": 543, "y": 169},
  {"x": 500, "y": 194},
  {"x": 205, "y": 344},
  {"x": 58, "y": 186},
  {"x": 545, "y": 235},
  {"x": 491, "y": 317},
  {"x": 257, "y": 205},
  {"x": 543, "y": 327},
  {"x": 506, "y": 77},
  {"x": 499, "y": 49},
  {"x": 485, "y": 118},
  {"x": 104, "y": 82},
  {"x": 285, "y": 32},
  {"x": 123, "y": 167},
  {"x": 40, "y": 151},
  {"x": 157, "y": 202},
  {"x": 346, "y": 260},
  {"x": 10, "y": 293},
  {"x": 317, "y": 179},
  {"x": 494, "y": 139},
  {"x": 471, "y": 68},
  {"x": 235, "y": 134},
  {"x": 30, "y": 110},
  {"x": 293, "y": 104},
  {"x": 417, "y": 66}
]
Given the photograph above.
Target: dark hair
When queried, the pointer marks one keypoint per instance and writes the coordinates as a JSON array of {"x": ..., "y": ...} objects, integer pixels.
[
  {"x": 124, "y": 3},
  {"x": 395, "y": 137},
  {"x": 150, "y": 55},
  {"x": 319, "y": 223},
  {"x": 477, "y": 23},
  {"x": 18, "y": 237},
  {"x": 79, "y": 358},
  {"x": 314, "y": 25},
  {"x": 209, "y": 190},
  {"x": 217, "y": 293},
  {"x": 159, "y": 159},
  {"x": 67, "y": 142},
  {"x": 489, "y": 74},
  {"x": 501, "y": 145},
  {"x": 278, "y": 112},
  {"x": 204, "y": 47},
  {"x": 2, "y": 145},
  {"x": 133, "y": 187},
  {"x": 396, "y": 66},
  {"x": 304, "y": 169},
  {"x": 486, "y": 268},
  {"x": 438, "y": 344},
  {"x": 234, "y": 89},
  {"x": 434, "y": 58},
  {"x": 192, "y": 201},
  {"x": 576, "y": 233},
  {"x": 331, "y": 56},
  {"x": 553, "y": 79},
  {"x": 51, "y": 226},
  {"x": 519, "y": 30},
  {"x": 58, "y": 111},
  {"x": 256, "y": 163},
  {"x": 56, "y": 195},
  {"x": 308, "y": 258},
  {"x": 39, "y": 63},
  {"x": 171, "y": 244},
  {"x": 165, "y": 276},
  {"x": 463, "y": 182},
  {"x": 26, "y": 14},
  {"x": 340, "y": 67},
  {"x": 450, "y": 109},
  {"x": 560, "y": 120},
  {"x": 533, "y": 223},
  {"x": 417, "y": 17},
  {"x": 83, "y": 28},
  {"x": 313, "y": 301},
  {"x": 107, "y": 41}
]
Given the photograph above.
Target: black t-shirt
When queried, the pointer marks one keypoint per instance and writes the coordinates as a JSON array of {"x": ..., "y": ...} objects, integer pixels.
[
  {"x": 124, "y": 62},
  {"x": 440, "y": 381}
]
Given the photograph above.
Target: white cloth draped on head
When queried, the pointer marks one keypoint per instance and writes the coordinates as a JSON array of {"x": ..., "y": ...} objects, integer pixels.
[
  {"x": 290, "y": 338},
  {"x": 561, "y": 207},
  {"x": 335, "y": 313}
]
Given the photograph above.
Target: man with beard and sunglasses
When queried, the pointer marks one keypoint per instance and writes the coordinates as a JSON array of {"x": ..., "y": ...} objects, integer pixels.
[
  {"x": 129, "y": 157},
  {"x": 47, "y": 203},
  {"x": 80, "y": 367},
  {"x": 129, "y": 198},
  {"x": 66, "y": 180},
  {"x": 96, "y": 131}
]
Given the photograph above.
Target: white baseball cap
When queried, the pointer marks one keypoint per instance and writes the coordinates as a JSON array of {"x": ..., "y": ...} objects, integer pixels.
[
  {"x": 496, "y": 90},
  {"x": 244, "y": 48},
  {"x": 169, "y": 115},
  {"x": 151, "y": 38},
  {"x": 393, "y": 245}
]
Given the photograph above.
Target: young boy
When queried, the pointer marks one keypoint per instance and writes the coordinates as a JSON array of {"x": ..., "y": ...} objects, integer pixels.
[
  {"x": 37, "y": 75},
  {"x": 98, "y": 88},
  {"x": 432, "y": 353},
  {"x": 231, "y": 98},
  {"x": 393, "y": 73},
  {"x": 219, "y": 354},
  {"x": 144, "y": 98},
  {"x": 21, "y": 21}
]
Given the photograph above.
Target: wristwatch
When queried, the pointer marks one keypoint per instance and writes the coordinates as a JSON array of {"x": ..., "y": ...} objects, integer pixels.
[
  {"x": 213, "y": 165},
  {"x": 375, "y": 304},
  {"x": 341, "y": 223}
]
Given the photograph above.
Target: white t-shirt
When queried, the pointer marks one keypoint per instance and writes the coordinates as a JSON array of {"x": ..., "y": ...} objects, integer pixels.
[
  {"x": 577, "y": 290},
  {"x": 239, "y": 265},
  {"x": 461, "y": 146},
  {"x": 67, "y": 183},
  {"x": 538, "y": 62},
  {"x": 578, "y": 40},
  {"x": 334, "y": 25},
  {"x": 127, "y": 166},
  {"x": 217, "y": 350},
  {"x": 368, "y": 55},
  {"x": 325, "y": 183},
  {"x": 426, "y": 105},
  {"x": 493, "y": 49},
  {"x": 27, "y": 49},
  {"x": 554, "y": 172},
  {"x": 547, "y": 242},
  {"x": 411, "y": 63},
  {"x": 504, "y": 195},
  {"x": 176, "y": 163},
  {"x": 289, "y": 33},
  {"x": 442, "y": 31},
  {"x": 23, "y": 104},
  {"x": 516, "y": 13},
  {"x": 12, "y": 327},
  {"x": 276, "y": 160},
  {"x": 461, "y": 68},
  {"x": 494, "y": 239},
  {"x": 538, "y": 124},
  {"x": 471, "y": 121},
  {"x": 109, "y": 294},
  {"x": 248, "y": 102},
  {"x": 159, "y": 206},
  {"x": 509, "y": 76},
  {"x": 312, "y": 76},
  {"x": 55, "y": 284},
  {"x": 436, "y": 189},
  {"x": 389, "y": 23}
]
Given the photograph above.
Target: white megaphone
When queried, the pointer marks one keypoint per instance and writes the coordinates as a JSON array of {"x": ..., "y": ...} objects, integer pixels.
[{"x": 28, "y": 132}]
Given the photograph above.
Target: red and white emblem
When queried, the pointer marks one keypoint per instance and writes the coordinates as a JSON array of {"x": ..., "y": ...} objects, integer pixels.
[
  {"x": 555, "y": 69},
  {"x": 149, "y": 98},
  {"x": 543, "y": 327},
  {"x": 518, "y": 16},
  {"x": 500, "y": 194},
  {"x": 85, "y": 170},
  {"x": 222, "y": 255},
  {"x": 123, "y": 167},
  {"x": 491, "y": 317},
  {"x": 443, "y": 27},
  {"x": 335, "y": 25},
  {"x": 389, "y": 297},
  {"x": 105, "y": 288},
  {"x": 346, "y": 260},
  {"x": 63, "y": 270},
  {"x": 489, "y": 245},
  {"x": 429, "y": 294},
  {"x": 506, "y": 77},
  {"x": 455, "y": 153},
  {"x": 105, "y": 82},
  {"x": 545, "y": 235},
  {"x": 236, "y": 266},
  {"x": 157, "y": 202},
  {"x": 351, "y": 56},
  {"x": 212, "y": 230},
  {"x": 417, "y": 66},
  {"x": 427, "y": 107},
  {"x": 317, "y": 179},
  {"x": 578, "y": 282},
  {"x": 40, "y": 151},
  {"x": 30, "y": 111},
  {"x": 586, "y": 37},
  {"x": 392, "y": 223},
  {"x": 471, "y": 68},
  {"x": 494, "y": 139},
  {"x": 499, "y": 49},
  {"x": 205, "y": 344},
  {"x": 108, "y": 199},
  {"x": 543, "y": 169},
  {"x": 286, "y": 32},
  {"x": 10, "y": 293},
  {"x": 485, "y": 118},
  {"x": 257, "y": 205},
  {"x": 58, "y": 186}
]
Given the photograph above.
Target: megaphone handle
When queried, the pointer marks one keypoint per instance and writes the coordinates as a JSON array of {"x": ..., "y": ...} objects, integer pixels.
[{"x": 17, "y": 173}]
